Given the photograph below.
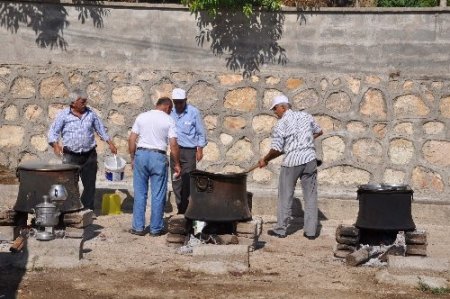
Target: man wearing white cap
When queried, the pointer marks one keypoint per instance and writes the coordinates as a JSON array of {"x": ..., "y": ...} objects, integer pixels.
[
  {"x": 191, "y": 140},
  {"x": 293, "y": 136}
]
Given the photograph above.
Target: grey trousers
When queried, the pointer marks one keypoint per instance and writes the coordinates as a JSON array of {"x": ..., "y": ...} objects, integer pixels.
[
  {"x": 307, "y": 173},
  {"x": 181, "y": 188}
]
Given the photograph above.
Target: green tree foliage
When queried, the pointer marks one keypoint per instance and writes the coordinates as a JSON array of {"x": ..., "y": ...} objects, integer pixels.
[
  {"x": 408, "y": 3},
  {"x": 246, "y": 6}
]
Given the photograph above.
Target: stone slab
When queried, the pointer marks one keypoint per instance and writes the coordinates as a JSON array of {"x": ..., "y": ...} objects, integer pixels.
[
  {"x": 73, "y": 232},
  {"x": 36, "y": 255},
  {"x": 411, "y": 280},
  {"x": 418, "y": 263},
  {"x": 219, "y": 259}
]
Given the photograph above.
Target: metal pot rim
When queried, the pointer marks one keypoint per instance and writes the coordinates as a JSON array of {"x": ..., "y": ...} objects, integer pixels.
[{"x": 195, "y": 173}]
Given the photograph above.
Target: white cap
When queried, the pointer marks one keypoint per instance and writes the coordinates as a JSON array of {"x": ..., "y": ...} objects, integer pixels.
[
  {"x": 178, "y": 94},
  {"x": 279, "y": 100}
]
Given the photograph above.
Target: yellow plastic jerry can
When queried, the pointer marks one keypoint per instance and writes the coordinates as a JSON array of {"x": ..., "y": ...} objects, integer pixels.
[{"x": 111, "y": 204}]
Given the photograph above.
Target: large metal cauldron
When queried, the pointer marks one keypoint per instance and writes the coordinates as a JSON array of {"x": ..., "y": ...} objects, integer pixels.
[
  {"x": 37, "y": 178},
  {"x": 385, "y": 207},
  {"x": 218, "y": 197}
]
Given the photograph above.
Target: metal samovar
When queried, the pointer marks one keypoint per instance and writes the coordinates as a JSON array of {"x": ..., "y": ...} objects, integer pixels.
[{"x": 48, "y": 212}]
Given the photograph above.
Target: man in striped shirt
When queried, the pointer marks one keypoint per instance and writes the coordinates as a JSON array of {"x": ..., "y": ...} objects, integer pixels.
[
  {"x": 293, "y": 136},
  {"x": 76, "y": 125}
]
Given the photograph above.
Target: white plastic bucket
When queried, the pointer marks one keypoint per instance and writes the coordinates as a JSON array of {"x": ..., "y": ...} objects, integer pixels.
[{"x": 114, "y": 168}]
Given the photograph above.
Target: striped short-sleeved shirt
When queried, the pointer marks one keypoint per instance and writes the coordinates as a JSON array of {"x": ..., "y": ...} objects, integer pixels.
[{"x": 293, "y": 135}]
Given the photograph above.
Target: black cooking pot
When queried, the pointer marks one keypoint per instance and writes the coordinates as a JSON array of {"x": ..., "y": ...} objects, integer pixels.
[
  {"x": 218, "y": 197},
  {"x": 36, "y": 178},
  {"x": 385, "y": 207}
]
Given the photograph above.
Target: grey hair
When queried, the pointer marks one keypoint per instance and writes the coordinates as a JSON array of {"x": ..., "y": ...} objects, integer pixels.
[{"x": 76, "y": 94}]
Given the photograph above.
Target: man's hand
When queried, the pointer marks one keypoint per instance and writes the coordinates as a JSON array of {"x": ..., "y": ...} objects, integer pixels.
[
  {"x": 177, "y": 170},
  {"x": 262, "y": 163},
  {"x": 57, "y": 149},
  {"x": 112, "y": 147},
  {"x": 199, "y": 154}
]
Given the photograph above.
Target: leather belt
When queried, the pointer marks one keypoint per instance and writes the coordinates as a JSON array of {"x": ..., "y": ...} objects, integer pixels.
[
  {"x": 69, "y": 152},
  {"x": 190, "y": 148},
  {"x": 151, "y": 150}
]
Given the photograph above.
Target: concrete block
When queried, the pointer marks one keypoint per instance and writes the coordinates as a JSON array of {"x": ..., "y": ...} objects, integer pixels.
[
  {"x": 220, "y": 259},
  {"x": 347, "y": 240},
  {"x": 58, "y": 253},
  {"x": 248, "y": 227},
  {"x": 410, "y": 280},
  {"x": 347, "y": 231},
  {"x": 341, "y": 253},
  {"x": 175, "y": 238},
  {"x": 72, "y": 232},
  {"x": 227, "y": 239},
  {"x": 419, "y": 236},
  {"x": 418, "y": 263},
  {"x": 79, "y": 219},
  {"x": 416, "y": 249},
  {"x": 7, "y": 216},
  {"x": 7, "y": 233}
]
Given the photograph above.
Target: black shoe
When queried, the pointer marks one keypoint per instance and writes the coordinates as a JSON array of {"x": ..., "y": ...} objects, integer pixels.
[
  {"x": 272, "y": 233},
  {"x": 137, "y": 232},
  {"x": 157, "y": 234},
  {"x": 309, "y": 237}
]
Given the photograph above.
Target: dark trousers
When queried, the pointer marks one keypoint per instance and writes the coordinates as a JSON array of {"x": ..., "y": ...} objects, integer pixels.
[
  {"x": 88, "y": 174},
  {"x": 181, "y": 188}
]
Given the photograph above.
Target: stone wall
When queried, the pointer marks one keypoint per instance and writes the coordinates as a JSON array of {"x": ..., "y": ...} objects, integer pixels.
[
  {"x": 376, "y": 129},
  {"x": 377, "y": 81}
]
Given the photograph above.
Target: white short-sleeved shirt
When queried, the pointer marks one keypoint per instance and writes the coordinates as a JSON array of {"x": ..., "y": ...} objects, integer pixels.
[{"x": 154, "y": 128}]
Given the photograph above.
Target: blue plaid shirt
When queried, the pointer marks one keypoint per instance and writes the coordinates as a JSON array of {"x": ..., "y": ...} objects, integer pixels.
[{"x": 77, "y": 133}]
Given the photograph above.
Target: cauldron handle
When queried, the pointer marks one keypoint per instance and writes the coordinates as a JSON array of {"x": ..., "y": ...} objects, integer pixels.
[{"x": 203, "y": 184}]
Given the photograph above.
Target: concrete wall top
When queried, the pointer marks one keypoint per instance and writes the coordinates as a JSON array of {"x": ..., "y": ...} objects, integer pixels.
[{"x": 329, "y": 40}]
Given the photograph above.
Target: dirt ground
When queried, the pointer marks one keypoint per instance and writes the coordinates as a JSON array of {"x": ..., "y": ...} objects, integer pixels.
[{"x": 117, "y": 264}]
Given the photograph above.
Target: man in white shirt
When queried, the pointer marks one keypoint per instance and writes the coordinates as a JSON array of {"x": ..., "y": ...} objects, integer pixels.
[
  {"x": 293, "y": 136},
  {"x": 147, "y": 144}
]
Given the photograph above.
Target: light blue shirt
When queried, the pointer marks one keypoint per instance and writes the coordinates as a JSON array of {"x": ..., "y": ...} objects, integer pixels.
[
  {"x": 77, "y": 133},
  {"x": 190, "y": 128}
]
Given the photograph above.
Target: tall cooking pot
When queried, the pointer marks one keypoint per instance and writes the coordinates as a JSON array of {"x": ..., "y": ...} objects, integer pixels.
[
  {"x": 36, "y": 178},
  {"x": 385, "y": 207},
  {"x": 218, "y": 197}
]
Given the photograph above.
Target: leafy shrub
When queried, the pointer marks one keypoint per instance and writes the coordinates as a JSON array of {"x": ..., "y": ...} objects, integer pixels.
[
  {"x": 246, "y": 6},
  {"x": 408, "y": 3}
]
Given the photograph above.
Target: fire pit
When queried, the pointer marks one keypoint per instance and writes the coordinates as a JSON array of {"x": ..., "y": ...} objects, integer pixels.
[
  {"x": 218, "y": 213},
  {"x": 384, "y": 226}
]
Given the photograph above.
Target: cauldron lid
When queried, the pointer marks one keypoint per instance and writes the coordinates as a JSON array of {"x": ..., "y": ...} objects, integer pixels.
[
  {"x": 43, "y": 166},
  {"x": 217, "y": 175}
]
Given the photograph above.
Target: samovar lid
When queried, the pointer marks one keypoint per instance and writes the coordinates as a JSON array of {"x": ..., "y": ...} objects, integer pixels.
[
  {"x": 44, "y": 166},
  {"x": 46, "y": 203}
]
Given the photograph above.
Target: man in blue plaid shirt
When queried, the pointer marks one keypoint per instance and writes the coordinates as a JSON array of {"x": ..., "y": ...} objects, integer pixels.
[{"x": 76, "y": 126}]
